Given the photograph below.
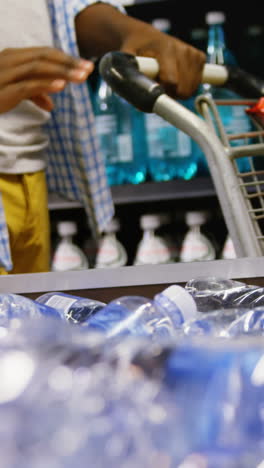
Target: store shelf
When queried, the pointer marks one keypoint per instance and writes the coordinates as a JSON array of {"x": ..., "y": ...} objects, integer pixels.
[
  {"x": 148, "y": 192},
  {"x": 96, "y": 282}
]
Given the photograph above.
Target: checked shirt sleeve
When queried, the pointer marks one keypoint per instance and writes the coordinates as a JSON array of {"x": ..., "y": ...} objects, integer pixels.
[{"x": 75, "y": 165}]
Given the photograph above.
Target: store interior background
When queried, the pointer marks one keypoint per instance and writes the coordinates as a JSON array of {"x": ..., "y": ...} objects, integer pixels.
[{"x": 175, "y": 197}]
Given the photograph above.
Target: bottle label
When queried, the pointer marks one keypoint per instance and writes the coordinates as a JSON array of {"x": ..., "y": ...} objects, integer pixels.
[
  {"x": 110, "y": 254},
  {"x": 184, "y": 145},
  {"x": 61, "y": 302},
  {"x": 196, "y": 247},
  {"x": 69, "y": 257},
  {"x": 125, "y": 148},
  {"x": 106, "y": 124},
  {"x": 153, "y": 126},
  {"x": 164, "y": 140}
]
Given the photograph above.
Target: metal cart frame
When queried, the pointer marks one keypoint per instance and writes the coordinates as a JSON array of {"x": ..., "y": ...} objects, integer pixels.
[{"x": 240, "y": 195}]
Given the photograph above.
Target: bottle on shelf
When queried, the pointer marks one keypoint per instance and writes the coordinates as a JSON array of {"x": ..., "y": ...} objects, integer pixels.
[
  {"x": 195, "y": 245},
  {"x": 152, "y": 248},
  {"x": 121, "y": 135},
  {"x": 158, "y": 318},
  {"x": 68, "y": 255},
  {"x": 199, "y": 38},
  {"x": 228, "y": 251},
  {"x": 111, "y": 253},
  {"x": 233, "y": 117},
  {"x": 169, "y": 149}
]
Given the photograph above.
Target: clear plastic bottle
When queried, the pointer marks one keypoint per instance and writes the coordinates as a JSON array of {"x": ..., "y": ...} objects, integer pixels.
[
  {"x": 15, "y": 306},
  {"x": 111, "y": 253},
  {"x": 247, "y": 324},
  {"x": 75, "y": 309},
  {"x": 213, "y": 293},
  {"x": 68, "y": 255},
  {"x": 196, "y": 246},
  {"x": 214, "y": 323},
  {"x": 169, "y": 149},
  {"x": 121, "y": 134},
  {"x": 152, "y": 248},
  {"x": 157, "y": 318},
  {"x": 233, "y": 117}
]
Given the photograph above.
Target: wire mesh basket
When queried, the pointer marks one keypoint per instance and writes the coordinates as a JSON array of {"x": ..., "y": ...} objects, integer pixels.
[{"x": 248, "y": 150}]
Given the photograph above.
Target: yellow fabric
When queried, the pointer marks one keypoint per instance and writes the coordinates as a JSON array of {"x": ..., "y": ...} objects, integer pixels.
[{"x": 26, "y": 210}]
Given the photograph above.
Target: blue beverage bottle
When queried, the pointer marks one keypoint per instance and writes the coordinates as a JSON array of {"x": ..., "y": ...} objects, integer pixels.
[
  {"x": 233, "y": 117},
  {"x": 121, "y": 134},
  {"x": 139, "y": 316},
  {"x": 170, "y": 152}
]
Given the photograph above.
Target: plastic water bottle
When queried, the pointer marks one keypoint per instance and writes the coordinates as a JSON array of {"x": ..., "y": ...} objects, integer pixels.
[
  {"x": 215, "y": 323},
  {"x": 111, "y": 253},
  {"x": 195, "y": 245},
  {"x": 199, "y": 39},
  {"x": 169, "y": 149},
  {"x": 121, "y": 134},
  {"x": 212, "y": 293},
  {"x": 152, "y": 248},
  {"x": 15, "y": 306},
  {"x": 75, "y": 309},
  {"x": 248, "y": 324},
  {"x": 234, "y": 118},
  {"x": 68, "y": 255},
  {"x": 139, "y": 316}
]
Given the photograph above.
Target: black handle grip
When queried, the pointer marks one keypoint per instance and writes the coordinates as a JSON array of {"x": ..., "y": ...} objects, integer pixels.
[
  {"x": 121, "y": 72},
  {"x": 244, "y": 84}
]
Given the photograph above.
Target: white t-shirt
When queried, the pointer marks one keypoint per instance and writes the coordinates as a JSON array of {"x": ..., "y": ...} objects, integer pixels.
[{"x": 24, "y": 23}]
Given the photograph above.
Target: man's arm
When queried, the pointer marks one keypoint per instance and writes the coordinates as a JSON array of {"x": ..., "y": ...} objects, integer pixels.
[{"x": 101, "y": 28}]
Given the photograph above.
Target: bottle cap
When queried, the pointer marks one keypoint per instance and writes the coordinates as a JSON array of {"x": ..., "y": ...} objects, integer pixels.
[
  {"x": 215, "y": 17},
  {"x": 150, "y": 221},
  {"x": 112, "y": 226},
  {"x": 67, "y": 228},
  {"x": 183, "y": 300},
  {"x": 194, "y": 218},
  {"x": 162, "y": 24}
]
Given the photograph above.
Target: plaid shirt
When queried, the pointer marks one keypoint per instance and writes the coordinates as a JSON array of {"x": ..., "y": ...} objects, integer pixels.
[{"x": 75, "y": 168}]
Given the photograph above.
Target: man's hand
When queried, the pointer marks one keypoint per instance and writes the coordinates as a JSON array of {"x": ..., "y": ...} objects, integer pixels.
[
  {"x": 102, "y": 28},
  {"x": 34, "y": 73}
]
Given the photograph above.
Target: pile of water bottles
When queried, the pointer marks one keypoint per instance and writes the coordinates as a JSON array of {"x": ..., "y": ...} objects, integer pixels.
[{"x": 172, "y": 381}]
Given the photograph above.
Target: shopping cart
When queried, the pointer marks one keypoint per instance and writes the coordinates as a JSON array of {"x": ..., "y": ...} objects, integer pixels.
[{"x": 240, "y": 194}]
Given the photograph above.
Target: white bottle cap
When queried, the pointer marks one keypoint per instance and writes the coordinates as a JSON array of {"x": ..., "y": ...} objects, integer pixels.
[
  {"x": 67, "y": 228},
  {"x": 112, "y": 226},
  {"x": 162, "y": 24},
  {"x": 215, "y": 17},
  {"x": 150, "y": 221},
  {"x": 194, "y": 218},
  {"x": 183, "y": 300}
]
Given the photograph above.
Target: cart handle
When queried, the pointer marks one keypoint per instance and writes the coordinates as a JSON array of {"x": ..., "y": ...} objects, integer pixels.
[{"x": 132, "y": 78}]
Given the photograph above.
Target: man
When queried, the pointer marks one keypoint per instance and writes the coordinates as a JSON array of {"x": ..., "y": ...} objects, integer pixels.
[{"x": 37, "y": 139}]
